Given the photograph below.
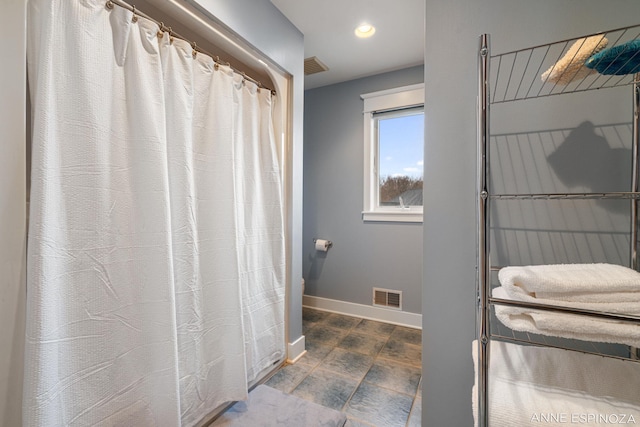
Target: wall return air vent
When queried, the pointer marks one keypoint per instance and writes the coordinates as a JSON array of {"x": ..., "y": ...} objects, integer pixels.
[{"x": 387, "y": 298}]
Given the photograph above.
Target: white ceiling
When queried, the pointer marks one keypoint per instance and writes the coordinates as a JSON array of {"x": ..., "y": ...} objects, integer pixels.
[{"x": 328, "y": 27}]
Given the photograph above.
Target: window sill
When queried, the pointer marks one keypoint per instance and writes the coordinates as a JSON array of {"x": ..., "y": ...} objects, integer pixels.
[{"x": 392, "y": 216}]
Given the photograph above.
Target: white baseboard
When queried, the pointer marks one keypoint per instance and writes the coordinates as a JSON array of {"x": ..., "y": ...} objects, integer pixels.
[
  {"x": 295, "y": 350},
  {"x": 396, "y": 317}
]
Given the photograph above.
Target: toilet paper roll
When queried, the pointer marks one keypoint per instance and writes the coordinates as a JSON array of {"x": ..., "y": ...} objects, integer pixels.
[{"x": 322, "y": 245}]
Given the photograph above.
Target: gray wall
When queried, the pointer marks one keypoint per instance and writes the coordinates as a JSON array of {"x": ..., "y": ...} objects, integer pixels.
[
  {"x": 12, "y": 209},
  {"x": 364, "y": 255},
  {"x": 534, "y": 129}
]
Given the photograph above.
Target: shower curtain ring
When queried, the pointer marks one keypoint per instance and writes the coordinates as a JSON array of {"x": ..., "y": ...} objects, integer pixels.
[
  {"x": 109, "y": 5},
  {"x": 134, "y": 18},
  {"x": 194, "y": 53}
]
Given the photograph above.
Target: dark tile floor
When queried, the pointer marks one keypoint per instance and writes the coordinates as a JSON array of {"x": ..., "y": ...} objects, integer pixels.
[{"x": 369, "y": 370}]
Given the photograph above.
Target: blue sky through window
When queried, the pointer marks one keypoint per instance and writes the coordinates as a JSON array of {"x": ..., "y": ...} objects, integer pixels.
[{"x": 401, "y": 144}]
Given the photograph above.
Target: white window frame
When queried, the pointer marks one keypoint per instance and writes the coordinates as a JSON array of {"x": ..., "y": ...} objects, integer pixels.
[{"x": 378, "y": 102}]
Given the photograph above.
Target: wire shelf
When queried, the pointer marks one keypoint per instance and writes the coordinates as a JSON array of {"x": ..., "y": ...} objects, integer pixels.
[
  {"x": 596, "y": 349},
  {"x": 569, "y": 196},
  {"x": 620, "y": 317},
  {"x": 517, "y": 75}
]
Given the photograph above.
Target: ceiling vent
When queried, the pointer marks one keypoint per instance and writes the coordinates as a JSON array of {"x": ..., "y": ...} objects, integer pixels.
[{"x": 313, "y": 65}]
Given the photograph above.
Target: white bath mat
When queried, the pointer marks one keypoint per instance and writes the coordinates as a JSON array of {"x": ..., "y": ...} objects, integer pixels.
[{"x": 268, "y": 407}]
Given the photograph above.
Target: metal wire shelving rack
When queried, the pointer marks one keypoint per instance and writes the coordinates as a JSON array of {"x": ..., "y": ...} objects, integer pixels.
[{"x": 515, "y": 76}]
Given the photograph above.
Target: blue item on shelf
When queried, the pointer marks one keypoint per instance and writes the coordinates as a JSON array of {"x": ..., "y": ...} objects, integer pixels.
[{"x": 618, "y": 60}]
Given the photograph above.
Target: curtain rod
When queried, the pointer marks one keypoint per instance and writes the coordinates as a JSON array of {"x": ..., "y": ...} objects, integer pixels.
[{"x": 164, "y": 29}]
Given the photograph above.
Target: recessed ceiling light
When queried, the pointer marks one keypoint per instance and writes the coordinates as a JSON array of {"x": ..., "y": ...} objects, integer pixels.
[{"x": 365, "y": 30}]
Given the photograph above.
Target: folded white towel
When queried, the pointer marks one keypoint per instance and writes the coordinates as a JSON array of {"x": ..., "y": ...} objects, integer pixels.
[
  {"x": 569, "y": 325},
  {"x": 607, "y": 288},
  {"x": 573, "y": 282},
  {"x": 553, "y": 387}
]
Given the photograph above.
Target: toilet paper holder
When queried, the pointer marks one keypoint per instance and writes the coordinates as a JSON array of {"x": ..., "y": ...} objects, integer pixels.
[{"x": 329, "y": 243}]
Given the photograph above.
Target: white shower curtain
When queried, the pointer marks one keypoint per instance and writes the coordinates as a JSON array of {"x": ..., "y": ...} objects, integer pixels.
[
  {"x": 155, "y": 286},
  {"x": 260, "y": 222}
]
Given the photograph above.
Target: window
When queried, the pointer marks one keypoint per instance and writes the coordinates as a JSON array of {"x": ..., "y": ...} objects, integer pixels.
[{"x": 394, "y": 152}]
